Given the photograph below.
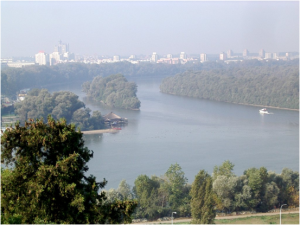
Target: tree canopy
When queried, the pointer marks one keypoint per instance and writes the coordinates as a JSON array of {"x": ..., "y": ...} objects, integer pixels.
[
  {"x": 39, "y": 103},
  {"x": 269, "y": 85},
  {"x": 46, "y": 180},
  {"x": 113, "y": 90}
]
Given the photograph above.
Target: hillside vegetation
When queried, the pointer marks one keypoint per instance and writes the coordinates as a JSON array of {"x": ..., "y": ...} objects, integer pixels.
[
  {"x": 275, "y": 85},
  {"x": 113, "y": 90}
]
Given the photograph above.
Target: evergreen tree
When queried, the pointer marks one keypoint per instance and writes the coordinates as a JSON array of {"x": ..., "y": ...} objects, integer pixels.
[{"x": 202, "y": 202}]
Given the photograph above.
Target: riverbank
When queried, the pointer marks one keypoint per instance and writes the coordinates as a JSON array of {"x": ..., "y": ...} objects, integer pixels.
[
  {"x": 188, "y": 220},
  {"x": 100, "y": 131},
  {"x": 237, "y": 103}
]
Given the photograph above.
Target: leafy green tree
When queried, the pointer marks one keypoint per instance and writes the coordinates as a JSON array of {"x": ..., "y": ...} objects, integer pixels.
[
  {"x": 202, "y": 203},
  {"x": 124, "y": 190},
  {"x": 226, "y": 169},
  {"x": 175, "y": 183},
  {"x": 145, "y": 190},
  {"x": 257, "y": 180},
  {"x": 114, "y": 91},
  {"x": 46, "y": 181}
]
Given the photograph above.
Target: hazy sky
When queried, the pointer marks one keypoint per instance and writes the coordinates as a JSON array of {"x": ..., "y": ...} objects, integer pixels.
[{"x": 125, "y": 28}]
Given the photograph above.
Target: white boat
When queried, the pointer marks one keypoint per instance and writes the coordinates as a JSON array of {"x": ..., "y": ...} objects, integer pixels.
[{"x": 264, "y": 111}]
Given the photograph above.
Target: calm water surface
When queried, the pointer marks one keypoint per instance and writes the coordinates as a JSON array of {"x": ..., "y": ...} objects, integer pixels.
[{"x": 196, "y": 134}]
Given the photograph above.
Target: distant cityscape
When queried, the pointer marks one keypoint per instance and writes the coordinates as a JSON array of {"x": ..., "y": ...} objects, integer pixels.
[{"x": 62, "y": 54}]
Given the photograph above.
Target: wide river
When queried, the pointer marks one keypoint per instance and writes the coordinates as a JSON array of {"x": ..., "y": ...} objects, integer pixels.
[{"x": 196, "y": 134}]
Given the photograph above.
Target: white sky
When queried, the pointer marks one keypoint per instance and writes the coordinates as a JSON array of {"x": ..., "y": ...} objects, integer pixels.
[{"x": 125, "y": 28}]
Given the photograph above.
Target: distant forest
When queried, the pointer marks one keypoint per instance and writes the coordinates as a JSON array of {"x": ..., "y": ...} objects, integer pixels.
[
  {"x": 270, "y": 85},
  {"x": 114, "y": 91},
  {"x": 15, "y": 79}
]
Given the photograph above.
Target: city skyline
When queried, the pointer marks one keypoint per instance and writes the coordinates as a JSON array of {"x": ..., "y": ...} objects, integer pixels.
[{"x": 141, "y": 28}]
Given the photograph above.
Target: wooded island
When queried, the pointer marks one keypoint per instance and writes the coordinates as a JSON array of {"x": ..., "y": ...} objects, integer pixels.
[
  {"x": 113, "y": 90},
  {"x": 273, "y": 85}
]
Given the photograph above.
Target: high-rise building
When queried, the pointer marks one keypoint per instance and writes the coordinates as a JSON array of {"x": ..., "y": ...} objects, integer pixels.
[
  {"x": 41, "y": 58},
  {"x": 268, "y": 55},
  {"x": 182, "y": 55},
  {"x": 203, "y": 57},
  {"x": 54, "y": 58},
  {"x": 222, "y": 56},
  {"x": 245, "y": 53},
  {"x": 61, "y": 48},
  {"x": 154, "y": 57},
  {"x": 169, "y": 56},
  {"x": 229, "y": 53},
  {"x": 261, "y": 53}
]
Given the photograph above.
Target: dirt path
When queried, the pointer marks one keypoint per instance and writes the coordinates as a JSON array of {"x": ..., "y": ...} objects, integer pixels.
[{"x": 181, "y": 220}]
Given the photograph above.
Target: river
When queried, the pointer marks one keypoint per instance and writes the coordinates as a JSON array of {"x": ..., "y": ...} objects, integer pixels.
[{"x": 196, "y": 134}]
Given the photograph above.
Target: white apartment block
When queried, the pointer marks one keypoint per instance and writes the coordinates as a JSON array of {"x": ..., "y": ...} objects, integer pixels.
[
  {"x": 154, "y": 57},
  {"x": 222, "y": 56},
  {"x": 203, "y": 57},
  {"x": 182, "y": 55},
  {"x": 41, "y": 58},
  {"x": 268, "y": 55}
]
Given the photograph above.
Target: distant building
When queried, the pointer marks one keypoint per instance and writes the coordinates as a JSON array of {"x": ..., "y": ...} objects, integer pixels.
[
  {"x": 154, "y": 57},
  {"x": 229, "y": 53},
  {"x": 116, "y": 58},
  {"x": 261, "y": 53},
  {"x": 182, "y": 55},
  {"x": 132, "y": 57},
  {"x": 42, "y": 58},
  {"x": 275, "y": 55},
  {"x": 203, "y": 57},
  {"x": 169, "y": 56},
  {"x": 9, "y": 60},
  {"x": 54, "y": 58},
  {"x": 245, "y": 53},
  {"x": 268, "y": 55},
  {"x": 19, "y": 64},
  {"x": 61, "y": 48},
  {"x": 222, "y": 56}
]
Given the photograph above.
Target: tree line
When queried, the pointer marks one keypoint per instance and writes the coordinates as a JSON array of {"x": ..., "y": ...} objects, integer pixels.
[
  {"x": 15, "y": 79},
  {"x": 39, "y": 103},
  {"x": 257, "y": 190},
  {"x": 114, "y": 91},
  {"x": 273, "y": 85}
]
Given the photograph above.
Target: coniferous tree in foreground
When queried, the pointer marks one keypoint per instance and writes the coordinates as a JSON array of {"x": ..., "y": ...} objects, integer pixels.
[
  {"x": 45, "y": 182},
  {"x": 202, "y": 202}
]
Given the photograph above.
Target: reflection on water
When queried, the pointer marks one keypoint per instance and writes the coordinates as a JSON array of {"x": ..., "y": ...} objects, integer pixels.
[{"x": 197, "y": 134}]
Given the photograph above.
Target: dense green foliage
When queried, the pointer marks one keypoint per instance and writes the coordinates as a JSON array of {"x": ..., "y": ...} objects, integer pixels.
[
  {"x": 45, "y": 182},
  {"x": 273, "y": 85},
  {"x": 159, "y": 196},
  {"x": 256, "y": 190},
  {"x": 114, "y": 91},
  {"x": 202, "y": 202},
  {"x": 39, "y": 103}
]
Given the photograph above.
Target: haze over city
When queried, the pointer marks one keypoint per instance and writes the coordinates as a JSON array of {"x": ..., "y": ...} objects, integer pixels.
[{"x": 125, "y": 28}]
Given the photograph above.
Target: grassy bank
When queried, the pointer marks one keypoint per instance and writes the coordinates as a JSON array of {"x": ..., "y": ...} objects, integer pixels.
[{"x": 292, "y": 218}]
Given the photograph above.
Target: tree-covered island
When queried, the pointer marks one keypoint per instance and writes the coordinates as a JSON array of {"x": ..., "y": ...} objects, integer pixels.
[
  {"x": 273, "y": 85},
  {"x": 114, "y": 91}
]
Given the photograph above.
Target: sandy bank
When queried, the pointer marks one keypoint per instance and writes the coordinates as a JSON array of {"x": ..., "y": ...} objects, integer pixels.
[{"x": 100, "y": 131}]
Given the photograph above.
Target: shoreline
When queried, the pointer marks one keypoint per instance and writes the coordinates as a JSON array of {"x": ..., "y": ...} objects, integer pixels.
[
  {"x": 263, "y": 106},
  {"x": 100, "y": 131}
]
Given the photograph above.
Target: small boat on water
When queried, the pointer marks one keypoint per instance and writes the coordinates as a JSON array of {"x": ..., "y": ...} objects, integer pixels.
[{"x": 263, "y": 111}]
